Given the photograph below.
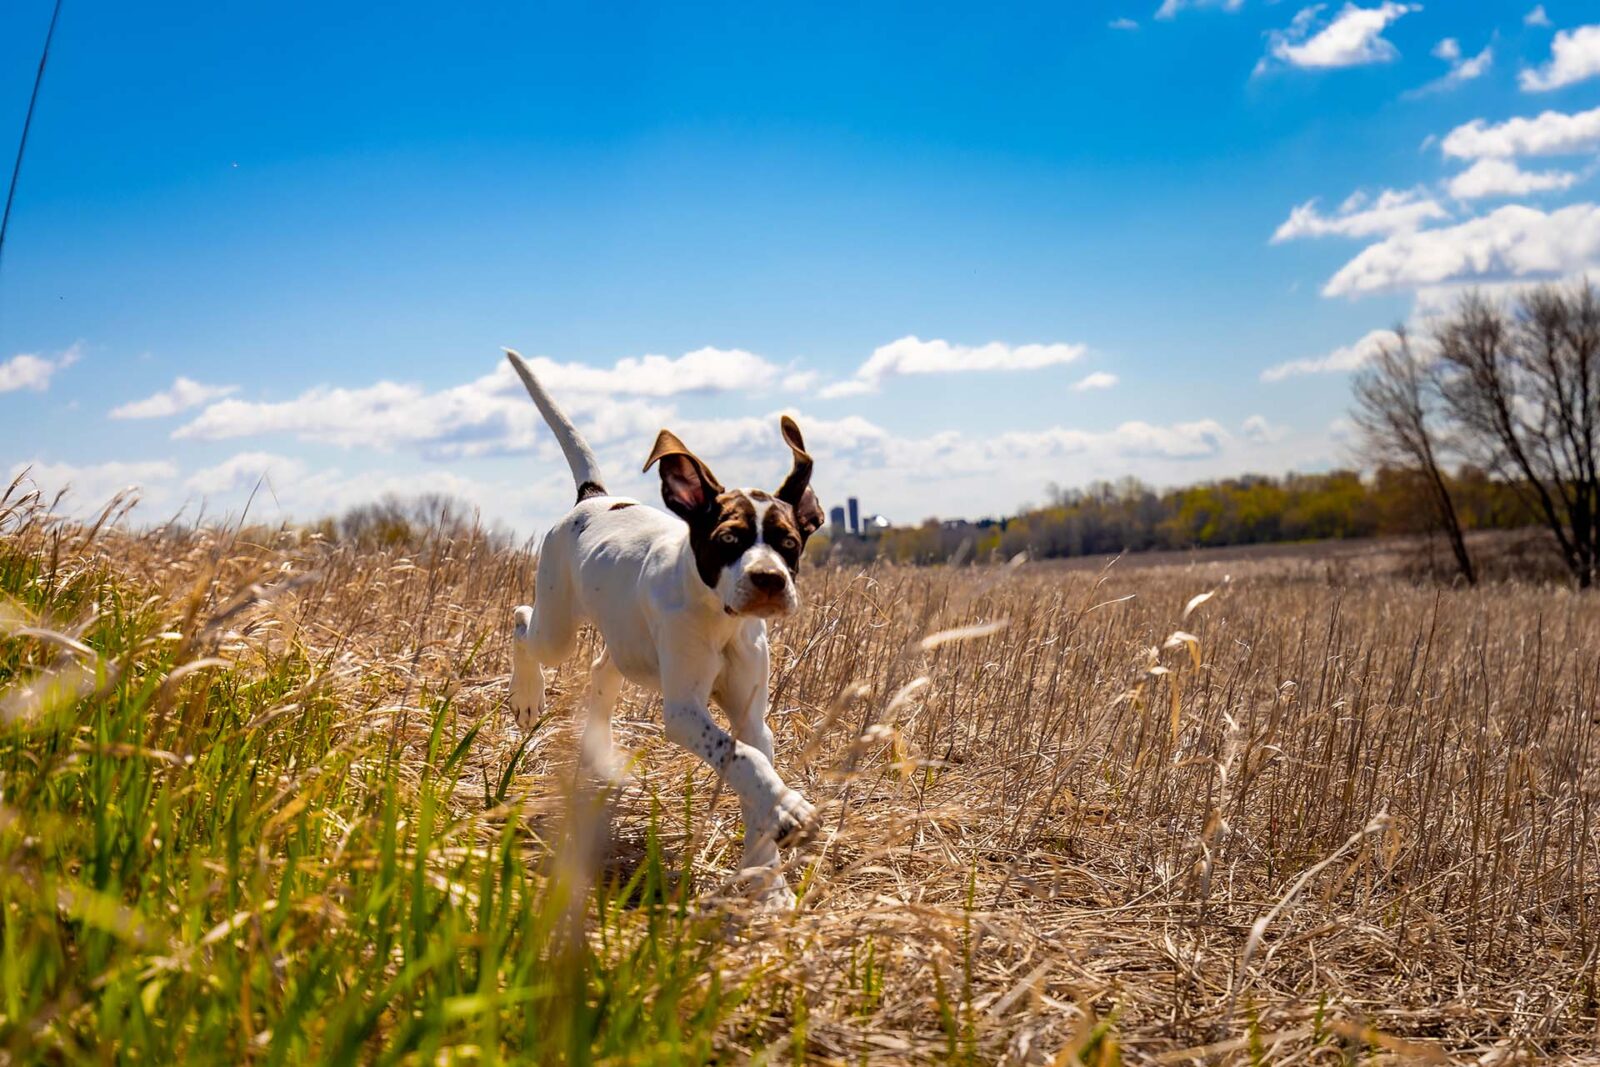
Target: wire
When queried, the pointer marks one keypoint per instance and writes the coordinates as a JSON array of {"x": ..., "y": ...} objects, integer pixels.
[{"x": 27, "y": 123}]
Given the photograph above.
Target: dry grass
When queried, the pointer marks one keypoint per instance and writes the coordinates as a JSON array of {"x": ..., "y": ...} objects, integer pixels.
[{"x": 1324, "y": 815}]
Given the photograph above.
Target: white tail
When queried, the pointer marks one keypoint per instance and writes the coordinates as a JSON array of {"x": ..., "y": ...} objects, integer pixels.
[{"x": 585, "y": 468}]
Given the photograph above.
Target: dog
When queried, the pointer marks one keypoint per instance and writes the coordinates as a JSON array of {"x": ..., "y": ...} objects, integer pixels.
[{"x": 681, "y": 601}]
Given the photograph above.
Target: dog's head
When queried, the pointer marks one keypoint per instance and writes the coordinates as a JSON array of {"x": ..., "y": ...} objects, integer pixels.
[{"x": 746, "y": 542}]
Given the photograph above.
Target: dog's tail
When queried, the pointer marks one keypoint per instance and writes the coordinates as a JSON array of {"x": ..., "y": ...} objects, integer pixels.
[{"x": 585, "y": 468}]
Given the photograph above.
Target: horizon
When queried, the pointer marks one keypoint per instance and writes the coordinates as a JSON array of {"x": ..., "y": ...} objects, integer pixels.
[{"x": 972, "y": 253}]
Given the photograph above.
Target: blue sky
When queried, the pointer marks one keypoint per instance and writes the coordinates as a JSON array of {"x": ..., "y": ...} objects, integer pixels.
[{"x": 975, "y": 251}]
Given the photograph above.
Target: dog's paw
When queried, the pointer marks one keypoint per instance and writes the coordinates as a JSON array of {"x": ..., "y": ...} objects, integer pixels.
[
  {"x": 766, "y": 888},
  {"x": 779, "y": 898},
  {"x": 527, "y": 699},
  {"x": 775, "y": 898},
  {"x": 793, "y": 821},
  {"x": 608, "y": 765},
  {"x": 527, "y": 716}
]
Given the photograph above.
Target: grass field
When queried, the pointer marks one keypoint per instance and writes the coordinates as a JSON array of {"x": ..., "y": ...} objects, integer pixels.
[{"x": 262, "y": 803}]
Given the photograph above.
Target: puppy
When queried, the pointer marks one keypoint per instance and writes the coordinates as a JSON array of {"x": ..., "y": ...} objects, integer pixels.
[{"x": 682, "y": 602}]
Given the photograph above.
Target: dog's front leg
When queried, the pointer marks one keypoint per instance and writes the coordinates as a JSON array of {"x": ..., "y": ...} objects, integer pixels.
[
  {"x": 776, "y": 813},
  {"x": 527, "y": 673},
  {"x": 741, "y": 692}
]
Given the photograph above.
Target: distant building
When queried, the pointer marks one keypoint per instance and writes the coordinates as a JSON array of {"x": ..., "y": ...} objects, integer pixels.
[
  {"x": 836, "y": 521},
  {"x": 855, "y": 515}
]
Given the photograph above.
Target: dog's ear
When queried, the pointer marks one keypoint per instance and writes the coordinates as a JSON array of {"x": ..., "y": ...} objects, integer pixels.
[
  {"x": 796, "y": 488},
  {"x": 687, "y": 484}
]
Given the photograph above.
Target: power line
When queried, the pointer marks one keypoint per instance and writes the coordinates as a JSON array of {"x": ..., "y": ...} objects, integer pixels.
[{"x": 27, "y": 123}]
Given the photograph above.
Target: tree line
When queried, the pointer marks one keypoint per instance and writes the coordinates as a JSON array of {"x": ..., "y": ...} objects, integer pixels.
[
  {"x": 1131, "y": 516},
  {"x": 1486, "y": 418}
]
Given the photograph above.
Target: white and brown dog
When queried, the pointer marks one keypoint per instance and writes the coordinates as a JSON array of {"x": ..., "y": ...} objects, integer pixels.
[{"x": 681, "y": 604}]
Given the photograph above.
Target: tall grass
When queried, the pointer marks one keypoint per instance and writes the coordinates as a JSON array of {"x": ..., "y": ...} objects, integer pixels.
[{"x": 262, "y": 802}]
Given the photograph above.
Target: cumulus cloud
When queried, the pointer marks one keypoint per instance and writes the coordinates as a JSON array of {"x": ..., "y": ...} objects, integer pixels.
[
  {"x": 185, "y": 393},
  {"x": 1461, "y": 70},
  {"x": 852, "y": 446},
  {"x": 1550, "y": 133},
  {"x": 1536, "y": 17},
  {"x": 1259, "y": 430},
  {"x": 1574, "y": 57},
  {"x": 912, "y": 355},
  {"x": 1512, "y": 242},
  {"x": 1353, "y": 38},
  {"x": 492, "y": 414},
  {"x": 1502, "y": 177},
  {"x": 1169, "y": 8},
  {"x": 1345, "y": 358},
  {"x": 32, "y": 371},
  {"x": 90, "y": 487},
  {"x": 488, "y": 416},
  {"x": 705, "y": 370},
  {"x": 1098, "y": 380},
  {"x": 1394, "y": 211},
  {"x": 244, "y": 471}
]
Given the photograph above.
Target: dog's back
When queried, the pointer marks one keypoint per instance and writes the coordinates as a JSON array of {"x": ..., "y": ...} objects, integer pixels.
[{"x": 617, "y": 564}]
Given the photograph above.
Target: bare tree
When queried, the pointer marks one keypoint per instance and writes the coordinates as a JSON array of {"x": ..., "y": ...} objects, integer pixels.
[
  {"x": 1396, "y": 398},
  {"x": 1521, "y": 387}
]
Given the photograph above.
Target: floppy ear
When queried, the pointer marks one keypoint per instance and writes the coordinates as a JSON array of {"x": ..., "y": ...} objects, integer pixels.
[
  {"x": 796, "y": 488},
  {"x": 687, "y": 484}
]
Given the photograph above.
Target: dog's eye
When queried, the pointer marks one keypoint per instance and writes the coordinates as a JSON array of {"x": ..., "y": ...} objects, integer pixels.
[
  {"x": 789, "y": 544},
  {"x": 728, "y": 537}
]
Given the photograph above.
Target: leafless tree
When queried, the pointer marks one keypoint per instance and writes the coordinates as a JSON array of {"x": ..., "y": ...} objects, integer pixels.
[
  {"x": 1396, "y": 402},
  {"x": 1522, "y": 386},
  {"x": 1513, "y": 388}
]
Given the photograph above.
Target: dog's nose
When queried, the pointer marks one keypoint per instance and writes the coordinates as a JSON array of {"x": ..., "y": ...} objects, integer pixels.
[{"x": 767, "y": 581}]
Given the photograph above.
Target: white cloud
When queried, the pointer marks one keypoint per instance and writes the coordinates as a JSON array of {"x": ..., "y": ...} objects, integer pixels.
[
  {"x": 1502, "y": 177},
  {"x": 912, "y": 355},
  {"x": 1258, "y": 430},
  {"x": 91, "y": 487},
  {"x": 1098, "y": 380},
  {"x": 1469, "y": 69},
  {"x": 1536, "y": 17},
  {"x": 1353, "y": 38},
  {"x": 1345, "y": 358},
  {"x": 1461, "y": 70},
  {"x": 705, "y": 370},
  {"x": 1184, "y": 440},
  {"x": 185, "y": 393},
  {"x": 491, "y": 415},
  {"x": 1511, "y": 242},
  {"x": 1394, "y": 211},
  {"x": 1551, "y": 133},
  {"x": 245, "y": 471},
  {"x": 1170, "y": 8},
  {"x": 854, "y": 450},
  {"x": 31, "y": 371},
  {"x": 1123, "y": 24},
  {"x": 1574, "y": 57}
]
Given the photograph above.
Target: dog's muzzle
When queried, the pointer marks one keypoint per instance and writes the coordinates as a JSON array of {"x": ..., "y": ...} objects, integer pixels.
[{"x": 767, "y": 594}]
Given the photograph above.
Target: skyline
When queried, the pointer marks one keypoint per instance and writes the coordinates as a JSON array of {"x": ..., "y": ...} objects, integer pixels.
[{"x": 971, "y": 253}]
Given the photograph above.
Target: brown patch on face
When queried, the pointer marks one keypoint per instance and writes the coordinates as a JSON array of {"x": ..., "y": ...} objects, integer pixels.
[
  {"x": 721, "y": 533},
  {"x": 620, "y": 505},
  {"x": 780, "y": 529}
]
